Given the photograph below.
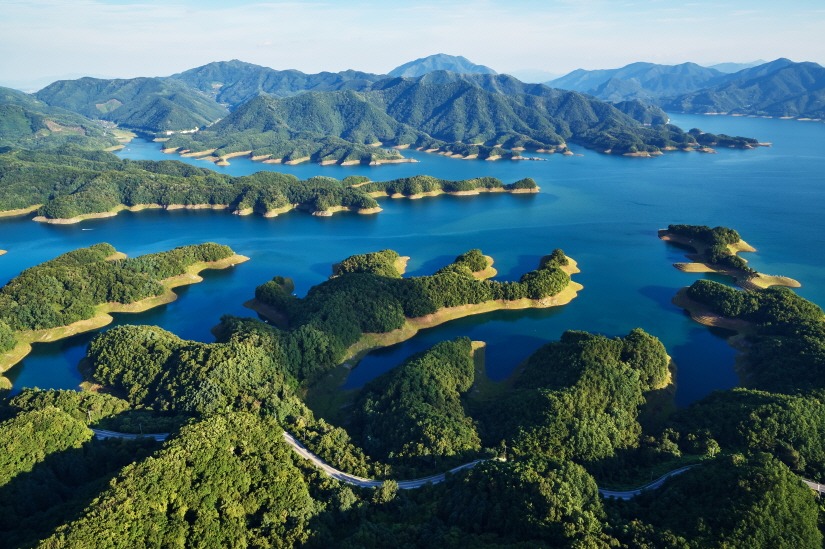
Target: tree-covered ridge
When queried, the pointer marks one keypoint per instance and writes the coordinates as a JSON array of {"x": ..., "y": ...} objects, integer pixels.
[
  {"x": 335, "y": 314},
  {"x": 735, "y": 501},
  {"x": 27, "y": 122},
  {"x": 68, "y": 288},
  {"x": 148, "y": 104},
  {"x": 383, "y": 263},
  {"x": 456, "y": 116},
  {"x": 414, "y": 412},
  {"x": 781, "y": 88},
  {"x": 579, "y": 398},
  {"x": 68, "y": 183},
  {"x": 425, "y": 184},
  {"x": 235, "y": 82},
  {"x": 786, "y": 344},
  {"x": 225, "y": 481}
]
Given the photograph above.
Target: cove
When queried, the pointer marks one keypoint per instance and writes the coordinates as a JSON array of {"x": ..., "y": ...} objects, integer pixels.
[{"x": 602, "y": 210}]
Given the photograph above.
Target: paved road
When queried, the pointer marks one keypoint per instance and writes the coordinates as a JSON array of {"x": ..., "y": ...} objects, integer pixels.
[
  {"x": 104, "y": 434},
  {"x": 628, "y": 494},
  {"x": 301, "y": 450}
]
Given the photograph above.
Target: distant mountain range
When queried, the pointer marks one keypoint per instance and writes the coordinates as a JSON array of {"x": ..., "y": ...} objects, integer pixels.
[
  {"x": 779, "y": 88},
  {"x": 467, "y": 115},
  {"x": 468, "y": 110}
]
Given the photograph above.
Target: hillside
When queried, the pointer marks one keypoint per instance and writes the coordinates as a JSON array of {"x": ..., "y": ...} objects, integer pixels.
[
  {"x": 781, "y": 88},
  {"x": 148, "y": 104},
  {"x": 25, "y": 121},
  {"x": 437, "y": 112},
  {"x": 235, "y": 82},
  {"x": 639, "y": 81},
  {"x": 439, "y": 62}
]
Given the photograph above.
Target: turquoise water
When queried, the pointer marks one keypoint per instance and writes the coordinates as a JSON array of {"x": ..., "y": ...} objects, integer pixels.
[{"x": 603, "y": 211}]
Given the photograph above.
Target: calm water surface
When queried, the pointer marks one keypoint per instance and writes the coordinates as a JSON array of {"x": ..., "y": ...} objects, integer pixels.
[{"x": 603, "y": 211}]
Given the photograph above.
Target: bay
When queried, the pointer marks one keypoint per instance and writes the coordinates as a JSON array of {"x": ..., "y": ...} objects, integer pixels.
[{"x": 604, "y": 211}]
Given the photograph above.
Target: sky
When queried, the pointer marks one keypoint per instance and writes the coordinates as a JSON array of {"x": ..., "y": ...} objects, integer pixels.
[{"x": 45, "y": 40}]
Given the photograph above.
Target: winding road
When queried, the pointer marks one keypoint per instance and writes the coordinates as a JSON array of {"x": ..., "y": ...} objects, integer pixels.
[{"x": 361, "y": 482}]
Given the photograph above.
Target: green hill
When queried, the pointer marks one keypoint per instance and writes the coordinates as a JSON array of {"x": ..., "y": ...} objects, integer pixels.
[
  {"x": 27, "y": 122},
  {"x": 780, "y": 88},
  {"x": 454, "y": 115},
  {"x": 148, "y": 104},
  {"x": 234, "y": 82},
  {"x": 439, "y": 62}
]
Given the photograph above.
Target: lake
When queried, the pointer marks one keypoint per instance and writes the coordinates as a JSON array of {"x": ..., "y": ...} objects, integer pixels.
[{"x": 603, "y": 211}]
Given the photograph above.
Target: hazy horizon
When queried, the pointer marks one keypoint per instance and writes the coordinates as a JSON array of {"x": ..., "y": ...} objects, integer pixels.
[{"x": 45, "y": 40}]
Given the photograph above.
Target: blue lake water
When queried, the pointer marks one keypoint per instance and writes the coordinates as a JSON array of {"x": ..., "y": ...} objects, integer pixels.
[{"x": 601, "y": 210}]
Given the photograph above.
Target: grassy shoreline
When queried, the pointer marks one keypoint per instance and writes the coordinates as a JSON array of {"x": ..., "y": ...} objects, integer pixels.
[{"x": 102, "y": 316}]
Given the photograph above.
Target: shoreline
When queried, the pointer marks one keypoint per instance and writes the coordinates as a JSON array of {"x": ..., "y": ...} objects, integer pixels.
[
  {"x": 102, "y": 315},
  {"x": 742, "y": 279},
  {"x": 172, "y": 207},
  {"x": 474, "y": 192},
  {"x": 412, "y": 326}
]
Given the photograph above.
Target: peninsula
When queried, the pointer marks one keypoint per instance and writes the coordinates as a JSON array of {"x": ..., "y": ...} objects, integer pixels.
[
  {"x": 92, "y": 283},
  {"x": 716, "y": 251}
]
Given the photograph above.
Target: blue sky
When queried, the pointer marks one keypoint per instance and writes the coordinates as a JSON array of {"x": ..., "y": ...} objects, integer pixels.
[{"x": 42, "y": 40}]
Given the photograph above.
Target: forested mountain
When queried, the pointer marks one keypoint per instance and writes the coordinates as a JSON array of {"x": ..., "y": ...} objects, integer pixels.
[
  {"x": 27, "y": 122},
  {"x": 149, "y": 104},
  {"x": 639, "y": 81},
  {"x": 234, "y": 82},
  {"x": 780, "y": 88},
  {"x": 440, "y": 62},
  {"x": 439, "y": 111}
]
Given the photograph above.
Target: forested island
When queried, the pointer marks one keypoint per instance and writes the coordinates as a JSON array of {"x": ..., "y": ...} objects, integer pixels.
[
  {"x": 75, "y": 292},
  {"x": 716, "y": 250},
  {"x": 70, "y": 185}
]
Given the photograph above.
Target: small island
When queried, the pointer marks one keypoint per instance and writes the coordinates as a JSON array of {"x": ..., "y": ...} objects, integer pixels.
[
  {"x": 715, "y": 251},
  {"x": 77, "y": 291}
]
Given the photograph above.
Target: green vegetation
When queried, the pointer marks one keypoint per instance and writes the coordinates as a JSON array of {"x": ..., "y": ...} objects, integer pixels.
[
  {"x": 790, "y": 427},
  {"x": 422, "y": 184},
  {"x": 414, "y": 412},
  {"x": 223, "y": 482},
  {"x": 780, "y": 88},
  {"x": 27, "y": 122},
  {"x": 712, "y": 140},
  {"x": 714, "y": 244},
  {"x": 148, "y": 104},
  {"x": 71, "y": 286},
  {"x": 69, "y": 182},
  {"x": 381, "y": 263},
  {"x": 732, "y": 502},
  {"x": 458, "y": 116},
  {"x": 335, "y": 314},
  {"x": 578, "y": 398}
]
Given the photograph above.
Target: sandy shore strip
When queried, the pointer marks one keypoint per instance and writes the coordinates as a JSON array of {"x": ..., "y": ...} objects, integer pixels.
[
  {"x": 412, "y": 326},
  {"x": 20, "y": 211},
  {"x": 474, "y": 192},
  {"x": 489, "y": 272},
  {"x": 3, "y": 252},
  {"x": 743, "y": 279},
  {"x": 102, "y": 312}
]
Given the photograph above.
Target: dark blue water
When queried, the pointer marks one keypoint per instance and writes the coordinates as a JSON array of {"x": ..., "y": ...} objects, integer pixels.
[{"x": 602, "y": 210}]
